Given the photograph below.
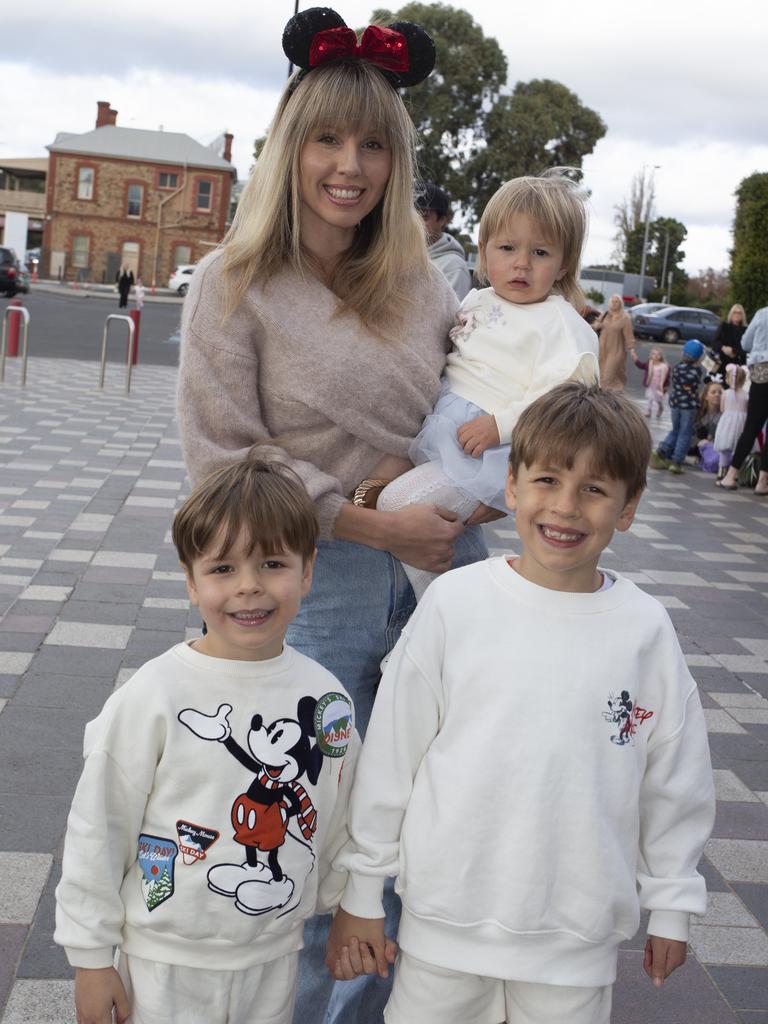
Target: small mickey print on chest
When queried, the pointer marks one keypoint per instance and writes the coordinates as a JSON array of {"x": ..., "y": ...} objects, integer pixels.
[{"x": 627, "y": 715}]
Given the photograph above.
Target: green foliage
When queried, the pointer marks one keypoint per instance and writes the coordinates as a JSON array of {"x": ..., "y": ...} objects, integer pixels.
[
  {"x": 541, "y": 125},
  {"x": 659, "y": 231},
  {"x": 595, "y": 295},
  {"x": 749, "y": 257},
  {"x": 473, "y": 138}
]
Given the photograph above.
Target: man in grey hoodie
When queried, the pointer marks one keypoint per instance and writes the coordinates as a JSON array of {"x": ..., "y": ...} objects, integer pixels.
[{"x": 444, "y": 251}]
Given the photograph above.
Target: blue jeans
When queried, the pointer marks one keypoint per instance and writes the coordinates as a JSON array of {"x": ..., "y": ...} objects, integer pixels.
[
  {"x": 677, "y": 442},
  {"x": 359, "y": 602}
]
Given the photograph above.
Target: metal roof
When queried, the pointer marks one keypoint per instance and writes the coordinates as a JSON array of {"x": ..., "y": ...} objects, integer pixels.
[
  {"x": 139, "y": 144},
  {"x": 32, "y": 165}
]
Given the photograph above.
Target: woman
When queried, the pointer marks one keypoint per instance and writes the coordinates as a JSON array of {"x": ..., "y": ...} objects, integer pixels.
[
  {"x": 755, "y": 343},
  {"x": 124, "y": 281},
  {"x": 616, "y": 339},
  {"x": 727, "y": 342},
  {"x": 319, "y": 331}
]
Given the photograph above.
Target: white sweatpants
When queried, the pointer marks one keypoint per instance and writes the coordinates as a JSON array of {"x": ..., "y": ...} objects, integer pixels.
[
  {"x": 169, "y": 994},
  {"x": 425, "y": 994},
  {"x": 425, "y": 485}
]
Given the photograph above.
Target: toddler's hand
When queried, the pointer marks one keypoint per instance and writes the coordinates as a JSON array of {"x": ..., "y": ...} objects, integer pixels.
[
  {"x": 477, "y": 435},
  {"x": 357, "y": 945},
  {"x": 97, "y": 990},
  {"x": 662, "y": 956}
]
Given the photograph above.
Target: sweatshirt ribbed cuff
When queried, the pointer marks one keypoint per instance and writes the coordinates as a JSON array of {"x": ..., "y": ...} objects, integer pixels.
[
  {"x": 363, "y": 896},
  {"x": 669, "y": 924},
  {"x": 94, "y": 959}
]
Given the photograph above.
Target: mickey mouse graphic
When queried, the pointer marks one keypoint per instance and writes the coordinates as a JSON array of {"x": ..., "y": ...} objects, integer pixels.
[
  {"x": 621, "y": 714},
  {"x": 280, "y": 754}
]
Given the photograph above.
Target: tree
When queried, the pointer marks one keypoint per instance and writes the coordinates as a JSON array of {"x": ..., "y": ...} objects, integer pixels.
[
  {"x": 749, "y": 256},
  {"x": 472, "y": 135},
  {"x": 541, "y": 124},
  {"x": 630, "y": 214},
  {"x": 450, "y": 108},
  {"x": 709, "y": 288}
]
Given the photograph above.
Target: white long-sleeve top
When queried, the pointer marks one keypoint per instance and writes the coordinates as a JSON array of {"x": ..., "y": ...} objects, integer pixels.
[
  {"x": 155, "y": 807},
  {"x": 535, "y": 771},
  {"x": 507, "y": 354}
]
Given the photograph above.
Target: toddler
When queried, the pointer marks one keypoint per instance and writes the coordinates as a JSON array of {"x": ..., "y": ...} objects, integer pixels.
[
  {"x": 214, "y": 790},
  {"x": 536, "y": 771},
  {"x": 683, "y": 405},
  {"x": 733, "y": 403},
  {"x": 514, "y": 341},
  {"x": 655, "y": 379}
]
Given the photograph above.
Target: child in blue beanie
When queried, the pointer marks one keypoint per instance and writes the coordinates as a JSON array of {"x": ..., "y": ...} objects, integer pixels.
[{"x": 683, "y": 403}]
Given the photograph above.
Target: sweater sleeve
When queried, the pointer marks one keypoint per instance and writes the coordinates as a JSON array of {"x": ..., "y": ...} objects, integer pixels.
[
  {"x": 218, "y": 396},
  {"x": 332, "y": 879},
  {"x": 677, "y": 807},
  {"x": 100, "y": 847},
  {"x": 406, "y": 718}
]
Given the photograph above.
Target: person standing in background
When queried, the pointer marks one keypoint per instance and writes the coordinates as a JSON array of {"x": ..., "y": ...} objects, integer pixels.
[
  {"x": 124, "y": 282},
  {"x": 445, "y": 252},
  {"x": 616, "y": 339}
]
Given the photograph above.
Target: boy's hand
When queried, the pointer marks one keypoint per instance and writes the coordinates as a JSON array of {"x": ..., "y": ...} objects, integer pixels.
[
  {"x": 357, "y": 945},
  {"x": 662, "y": 956},
  {"x": 477, "y": 435},
  {"x": 97, "y": 990}
]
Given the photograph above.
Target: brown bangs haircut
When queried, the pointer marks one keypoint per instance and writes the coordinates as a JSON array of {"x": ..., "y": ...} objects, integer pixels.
[
  {"x": 574, "y": 418},
  {"x": 264, "y": 500}
]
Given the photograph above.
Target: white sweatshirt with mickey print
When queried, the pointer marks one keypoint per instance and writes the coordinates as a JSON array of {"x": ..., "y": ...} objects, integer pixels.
[
  {"x": 535, "y": 771},
  {"x": 151, "y": 859}
]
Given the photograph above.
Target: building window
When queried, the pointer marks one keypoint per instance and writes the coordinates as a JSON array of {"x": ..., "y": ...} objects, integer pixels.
[
  {"x": 204, "y": 193},
  {"x": 85, "y": 178},
  {"x": 182, "y": 255},
  {"x": 129, "y": 257},
  {"x": 168, "y": 180},
  {"x": 81, "y": 250},
  {"x": 135, "y": 200}
]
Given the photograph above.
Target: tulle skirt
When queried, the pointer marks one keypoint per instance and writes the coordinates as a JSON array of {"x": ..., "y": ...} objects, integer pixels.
[{"x": 483, "y": 478}]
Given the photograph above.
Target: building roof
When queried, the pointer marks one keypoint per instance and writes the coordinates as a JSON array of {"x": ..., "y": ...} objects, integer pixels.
[
  {"x": 139, "y": 144},
  {"x": 24, "y": 166}
]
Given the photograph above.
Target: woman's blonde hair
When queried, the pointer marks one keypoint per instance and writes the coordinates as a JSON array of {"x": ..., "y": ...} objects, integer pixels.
[
  {"x": 558, "y": 204},
  {"x": 371, "y": 279},
  {"x": 737, "y": 308}
]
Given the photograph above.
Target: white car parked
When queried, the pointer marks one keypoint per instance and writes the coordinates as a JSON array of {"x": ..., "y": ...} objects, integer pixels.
[{"x": 179, "y": 279}]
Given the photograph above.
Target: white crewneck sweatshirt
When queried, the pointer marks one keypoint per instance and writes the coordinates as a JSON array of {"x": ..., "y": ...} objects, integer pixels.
[
  {"x": 507, "y": 354},
  {"x": 535, "y": 771},
  {"x": 151, "y": 862}
]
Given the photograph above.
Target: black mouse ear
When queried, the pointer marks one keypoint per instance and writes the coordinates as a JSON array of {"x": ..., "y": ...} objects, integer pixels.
[
  {"x": 302, "y": 29},
  {"x": 421, "y": 53},
  {"x": 314, "y": 764},
  {"x": 305, "y": 713}
]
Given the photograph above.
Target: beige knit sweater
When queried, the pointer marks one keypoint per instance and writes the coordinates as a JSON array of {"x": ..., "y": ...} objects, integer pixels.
[{"x": 334, "y": 396}]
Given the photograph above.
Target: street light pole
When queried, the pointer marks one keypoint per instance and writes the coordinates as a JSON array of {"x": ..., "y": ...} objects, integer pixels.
[
  {"x": 664, "y": 269},
  {"x": 648, "y": 207},
  {"x": 295, "y": 12}
]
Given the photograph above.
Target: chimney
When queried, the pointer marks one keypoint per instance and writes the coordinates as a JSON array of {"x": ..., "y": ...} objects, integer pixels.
[
  {"x": 102, "y": 114},
  {"x": 228, "y": 136},
  {"x": 111, "y": 116}
]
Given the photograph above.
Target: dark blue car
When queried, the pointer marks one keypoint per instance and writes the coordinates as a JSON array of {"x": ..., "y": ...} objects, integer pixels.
[{"x": 678, "y": 323}]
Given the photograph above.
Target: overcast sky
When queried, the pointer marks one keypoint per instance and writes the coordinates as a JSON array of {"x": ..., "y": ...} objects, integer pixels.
[{"x": 678, "y": 83}]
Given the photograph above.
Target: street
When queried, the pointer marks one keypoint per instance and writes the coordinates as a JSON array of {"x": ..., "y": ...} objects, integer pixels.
[{"x": 70, "y": 326}]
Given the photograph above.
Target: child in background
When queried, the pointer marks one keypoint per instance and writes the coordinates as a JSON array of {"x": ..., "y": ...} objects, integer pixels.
[
  {"x": 166, "y": 763},
  {"x": 655, "y": 380},
  {"x": 138, "y": 294},
  {"x": 683, "y": 405},
  {"x": 707, "y": 419},
  {"x": 733, "y": 403},
  {"x": 514, "y": 341},
  {"x": 535, "y": 772}
]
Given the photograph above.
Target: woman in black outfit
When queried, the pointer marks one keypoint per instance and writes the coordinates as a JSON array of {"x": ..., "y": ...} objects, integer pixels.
[{"x": 727, "y": 343}]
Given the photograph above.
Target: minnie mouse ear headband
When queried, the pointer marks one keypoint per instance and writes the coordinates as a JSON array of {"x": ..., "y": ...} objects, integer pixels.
[{"x": 403, "y": 52}]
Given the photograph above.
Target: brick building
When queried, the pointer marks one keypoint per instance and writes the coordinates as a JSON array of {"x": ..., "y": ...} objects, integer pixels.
[{"x": 147, "y": 199}]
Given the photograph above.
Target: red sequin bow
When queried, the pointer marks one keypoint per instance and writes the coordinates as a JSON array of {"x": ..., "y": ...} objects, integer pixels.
[{"x": 381, "y": 46}]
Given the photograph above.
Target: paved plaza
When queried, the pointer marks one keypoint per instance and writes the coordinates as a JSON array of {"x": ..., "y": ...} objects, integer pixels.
[{"x": 90, "y": 588}]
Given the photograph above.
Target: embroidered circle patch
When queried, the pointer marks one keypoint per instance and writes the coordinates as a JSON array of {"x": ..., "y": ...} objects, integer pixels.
[{"x": 333, "y": 724}]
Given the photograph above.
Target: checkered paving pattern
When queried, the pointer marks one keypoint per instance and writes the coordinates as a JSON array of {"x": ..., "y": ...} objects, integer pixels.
[{"x": 90, "y": 588}]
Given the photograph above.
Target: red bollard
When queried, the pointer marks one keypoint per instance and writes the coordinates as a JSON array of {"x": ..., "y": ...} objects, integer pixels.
[
  {"x": 14, "y": 323},
  {"x": 135, "y": 315}
]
